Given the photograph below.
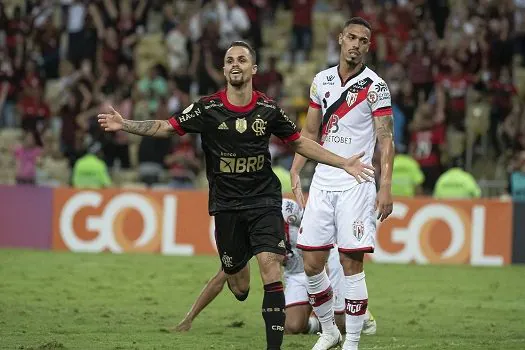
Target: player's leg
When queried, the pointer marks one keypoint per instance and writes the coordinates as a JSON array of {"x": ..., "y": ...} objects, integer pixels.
[
  {"x": 207, "y": 295},
  {"x": 337, "y": 279},
  {"x": 234, "y": 251},
  {"x": 356, "y": 226},
  {"x": 299, "y": 318},
  {"x": 266, "y": 228},
  {"x": 316, "y": 238}
]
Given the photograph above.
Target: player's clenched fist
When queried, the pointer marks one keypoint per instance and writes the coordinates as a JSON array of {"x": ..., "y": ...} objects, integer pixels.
[
  {"x": 111, "y": 121},
  {"x": 361, "y": 172}
]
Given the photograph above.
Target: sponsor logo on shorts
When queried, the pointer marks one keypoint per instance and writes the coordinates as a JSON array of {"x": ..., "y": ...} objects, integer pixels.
[
  {"x": 359, "y": 229},
  {"x": 281, "y": 244},
  {"x": 227, "y": 261}
]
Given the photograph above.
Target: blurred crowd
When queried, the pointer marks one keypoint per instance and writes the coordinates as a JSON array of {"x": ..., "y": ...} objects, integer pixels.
[{"x": 456, "y": 71}]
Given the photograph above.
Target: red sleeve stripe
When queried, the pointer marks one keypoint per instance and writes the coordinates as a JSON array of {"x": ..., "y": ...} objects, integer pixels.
[
  {"x": 315, "y": 105},
  {"x": 381, "y": 112},
  {"x": 292, "y": 137},
  {"x": 176, "y": 126}
]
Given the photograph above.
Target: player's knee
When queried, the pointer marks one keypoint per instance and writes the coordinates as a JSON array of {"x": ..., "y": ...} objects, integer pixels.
[
  {"x": 240, "y": 289},
  {"x": 295, "y": 327},
  {"x": 313, "y": 268},
  {"x": 242, "y": 295},
  {"x": 352, "y": 264}
]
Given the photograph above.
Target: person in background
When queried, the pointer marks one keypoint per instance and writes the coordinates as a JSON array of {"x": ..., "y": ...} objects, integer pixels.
[
  {"x": 407, "y": 177},
  {"x": 517, "y": 178},
  {"x": 27, "y": 155},
  {"x": 90, "y": 171},
  {"x": 456, "y": 183},
  {"x": 183, "y": 163}
]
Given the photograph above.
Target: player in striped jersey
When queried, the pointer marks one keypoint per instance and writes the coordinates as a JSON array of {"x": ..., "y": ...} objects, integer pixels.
[{"x": 350, "y": 108}]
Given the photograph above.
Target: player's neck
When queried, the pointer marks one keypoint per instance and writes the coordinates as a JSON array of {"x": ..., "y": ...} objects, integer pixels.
[
  {"x": 239, "y": 96},
  {"x": 347, "y": 70}
]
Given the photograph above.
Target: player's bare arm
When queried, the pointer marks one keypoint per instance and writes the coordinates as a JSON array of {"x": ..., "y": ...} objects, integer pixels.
[
  {"x": 353, "y": 166},
  {"x": 113, "y": 121},
  {"x": 310, "y": 131},
  {"x": 385, "y": 136},
  {"x": 207, "y": 295}
]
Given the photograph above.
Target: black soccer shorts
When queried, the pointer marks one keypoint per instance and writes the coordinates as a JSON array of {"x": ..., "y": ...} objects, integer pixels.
[{"x": 241, "y": 234}]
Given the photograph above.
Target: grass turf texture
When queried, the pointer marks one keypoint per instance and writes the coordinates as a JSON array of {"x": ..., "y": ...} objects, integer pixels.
[{"x": 103, "y": 301}]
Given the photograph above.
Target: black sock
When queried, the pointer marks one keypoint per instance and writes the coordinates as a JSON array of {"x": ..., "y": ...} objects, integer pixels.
[{"x": 273, "y": 314}]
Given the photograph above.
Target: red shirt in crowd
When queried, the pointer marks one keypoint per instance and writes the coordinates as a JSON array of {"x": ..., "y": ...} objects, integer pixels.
[{"x": 427, "y": 145}]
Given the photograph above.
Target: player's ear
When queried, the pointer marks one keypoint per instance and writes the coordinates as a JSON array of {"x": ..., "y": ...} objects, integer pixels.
[
  {"x": 340, "y": 38},
  {"x": 224, "y": 71},
  {"x": 254, "y": 69}
]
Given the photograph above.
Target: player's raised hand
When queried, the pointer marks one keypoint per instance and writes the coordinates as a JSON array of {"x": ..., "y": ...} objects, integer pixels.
[
  {"x": 297, "y": 189},
  {"x": 111, "y": 121},
  {"x": 361, "y": 171}
]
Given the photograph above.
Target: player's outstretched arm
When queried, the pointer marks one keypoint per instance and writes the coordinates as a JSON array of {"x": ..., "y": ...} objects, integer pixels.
[
  {"x": 310, "y": 131},
  {"x": 353, "y": 166},
  {"x": 385, "y": 135},
  {"x": 113, "y": 121},
  {"x": 207, "y": 295}
]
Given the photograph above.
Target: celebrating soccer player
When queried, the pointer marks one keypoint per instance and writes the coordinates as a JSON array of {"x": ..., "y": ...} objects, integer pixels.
[
  {"x": 349, "y": 107},
  {"x": 244, "y": 194}
]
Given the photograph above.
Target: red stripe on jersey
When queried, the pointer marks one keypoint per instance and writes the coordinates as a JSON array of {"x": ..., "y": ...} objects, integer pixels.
[
  {"x": 176, "y": 126},
  {"x": 344, "y": 108},
  {"x": 382, "y": 112},
  {"x": 238, "y": 109},
  {"x": 315, "y": 105},
  {"x": 287, "y": 231},
  {"x": 291, "y": 138}
]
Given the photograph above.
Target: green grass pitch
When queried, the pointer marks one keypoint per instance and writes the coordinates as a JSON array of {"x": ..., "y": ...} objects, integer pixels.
[{"x": 103, "y": 301}]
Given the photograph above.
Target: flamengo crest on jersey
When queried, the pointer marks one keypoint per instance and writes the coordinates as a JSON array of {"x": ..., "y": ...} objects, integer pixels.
[{"x": 347, "y": 126}]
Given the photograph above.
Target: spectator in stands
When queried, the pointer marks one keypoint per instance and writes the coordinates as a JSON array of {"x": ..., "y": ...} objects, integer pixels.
[
  {"x": 427, "y": 142},
  {"x": 90, "y": 171},
  {"x": 234, "y": 22},
  {"x": 8, "y": 90},
  {"x": 270, "y": 81},
  {"x": 517, "y": 177},
  {"x": 183, "y": 163},
  {"x": 26, "y": 156},
  {"x": 302, "y": 34},
  {"x": 407, "y": 177},
  {"x": 456, "y": 183}
]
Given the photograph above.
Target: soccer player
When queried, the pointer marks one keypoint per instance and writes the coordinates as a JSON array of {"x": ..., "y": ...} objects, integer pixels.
[
  {"x": 349, "y": 109},
  {"x": 298, "y": 309},
  {"x": 244, "y": 194}
]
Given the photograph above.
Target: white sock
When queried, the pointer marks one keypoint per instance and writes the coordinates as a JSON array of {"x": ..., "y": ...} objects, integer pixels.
[
  {"x": 313, "y": 325},
  {"x": 367, "y": 315},
  {"x": 356, "y": 299},
  {"x": 320, "y": 295}
]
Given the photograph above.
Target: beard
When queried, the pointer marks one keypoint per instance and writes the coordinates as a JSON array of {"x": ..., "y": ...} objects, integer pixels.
[
  {"x": 237, "y": 81},
  {"x": 353, "y": 62}
]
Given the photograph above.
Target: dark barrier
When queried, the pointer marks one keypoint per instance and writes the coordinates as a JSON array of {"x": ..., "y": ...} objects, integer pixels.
[
  {"x": 518, "y": 240},
  {"x": 25, "y": 216}
]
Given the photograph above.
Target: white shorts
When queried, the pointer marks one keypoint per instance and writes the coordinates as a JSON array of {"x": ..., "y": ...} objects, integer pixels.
[
  {"x": 346, "y": 218},
  {"x": 296, "y": 293}
]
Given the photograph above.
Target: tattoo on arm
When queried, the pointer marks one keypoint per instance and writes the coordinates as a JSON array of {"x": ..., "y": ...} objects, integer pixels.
[
  {"x": 385, "y": 128},
  {"x": 147, "y": 127}
]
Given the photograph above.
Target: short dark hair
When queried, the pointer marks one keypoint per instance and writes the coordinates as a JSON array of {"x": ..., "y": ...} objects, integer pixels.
[
  {"x": 247, "y": 46},
  {"x": 358, "y": 20}
]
